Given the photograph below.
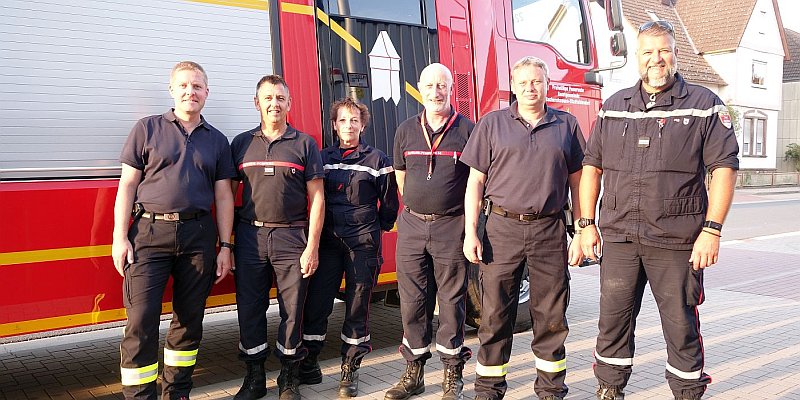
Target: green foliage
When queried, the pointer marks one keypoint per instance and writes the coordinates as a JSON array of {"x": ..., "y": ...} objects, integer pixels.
[{"x": 793, "y": 155}]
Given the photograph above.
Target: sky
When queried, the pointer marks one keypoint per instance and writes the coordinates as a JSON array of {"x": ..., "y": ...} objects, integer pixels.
[{"x": 790, "y": 10}]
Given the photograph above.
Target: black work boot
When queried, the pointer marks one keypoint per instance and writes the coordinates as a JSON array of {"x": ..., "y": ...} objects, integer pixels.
[
  {"x": 255, "y": 382},
  {"x": 453, "y": 383},
  {"x": 605, "y": 392},
  {"x": 348, "y": 385},
  {"x": 288, "y": 381},
  {"x": 310, "y": 373},
  {"x": 412, "y": 382}
]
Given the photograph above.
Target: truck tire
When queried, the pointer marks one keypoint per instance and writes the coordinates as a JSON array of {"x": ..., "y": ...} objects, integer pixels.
[{"x": 523, "y": 322}]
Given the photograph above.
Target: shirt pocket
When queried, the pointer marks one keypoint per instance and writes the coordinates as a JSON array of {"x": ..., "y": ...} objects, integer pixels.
[
  {"x": 616, "y": 145},
  {"x": 678, "y": 147},
  {"x": 337, "y": 181}
]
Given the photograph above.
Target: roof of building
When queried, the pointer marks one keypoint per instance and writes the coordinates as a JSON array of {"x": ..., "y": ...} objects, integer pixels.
[
  {"x": 691, "y": 65},
  {"x": 791, "y": 66},
  {"x": 705, "y": 20}
]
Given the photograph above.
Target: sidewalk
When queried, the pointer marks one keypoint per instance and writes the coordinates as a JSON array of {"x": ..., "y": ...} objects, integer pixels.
[{"x": 750, "y": 321}]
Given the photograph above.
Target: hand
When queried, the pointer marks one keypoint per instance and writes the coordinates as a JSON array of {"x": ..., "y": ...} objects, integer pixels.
[
  {"x": 122, "y": 253},
  {"x": 224, "y": 263},
  {"x": 473, "y": 248},
  {"x": 575, "y": 252},
  {"x": 705, "y": 252},
  {"x": 309, "y": 261},
  {"x": 590, "y": 242}
]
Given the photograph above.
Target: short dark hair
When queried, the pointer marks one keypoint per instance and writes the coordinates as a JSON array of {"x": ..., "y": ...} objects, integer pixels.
[
  {"x": 272, "y": 79},
  {"x": 351, "y": 105}
]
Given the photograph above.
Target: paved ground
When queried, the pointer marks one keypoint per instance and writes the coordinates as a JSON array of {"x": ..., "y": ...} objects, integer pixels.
[{"x": 750, "y": 321}]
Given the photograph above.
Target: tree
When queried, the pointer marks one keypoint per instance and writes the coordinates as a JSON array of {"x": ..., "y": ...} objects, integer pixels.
[{"x": 793, "y": 155}]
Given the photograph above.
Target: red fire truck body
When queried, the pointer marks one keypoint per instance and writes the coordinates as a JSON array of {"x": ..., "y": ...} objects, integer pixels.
[{"x": 76, "y": 76}]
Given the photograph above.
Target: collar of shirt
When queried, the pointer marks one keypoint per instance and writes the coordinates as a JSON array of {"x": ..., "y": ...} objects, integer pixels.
[
  {"x": 170, "y": 116},
  {"x": 444, "y": 125},
  {"x": 290, "y": 133},
  {"x": 337, "y": 154},
  {"x": 549, "y": 115},
  {"x": 635, "y": 95}
]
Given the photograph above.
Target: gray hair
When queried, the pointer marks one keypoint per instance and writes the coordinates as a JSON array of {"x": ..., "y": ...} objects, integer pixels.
[
  {"x": 441, "y": 68},
  {"x": 531, "y": 61}
]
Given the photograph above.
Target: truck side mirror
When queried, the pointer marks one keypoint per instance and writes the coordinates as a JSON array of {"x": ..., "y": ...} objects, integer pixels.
[
  {"x": 619, "y": 47},
  {"x": 614, "y": 15}
]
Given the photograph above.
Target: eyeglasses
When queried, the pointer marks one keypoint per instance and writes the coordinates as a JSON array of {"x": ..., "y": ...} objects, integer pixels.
[{"x": 660, "y": 23}]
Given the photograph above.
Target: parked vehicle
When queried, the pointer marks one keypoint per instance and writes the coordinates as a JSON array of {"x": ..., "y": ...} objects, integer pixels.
[{"x": 76, "y": 76}]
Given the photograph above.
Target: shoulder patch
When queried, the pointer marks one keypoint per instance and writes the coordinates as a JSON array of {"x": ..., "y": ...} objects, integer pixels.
[{"x": 725, "y": 117}]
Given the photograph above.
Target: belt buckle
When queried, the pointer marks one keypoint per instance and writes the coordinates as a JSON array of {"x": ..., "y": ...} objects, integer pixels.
[
  {"x": 258, "y": 224},
  {"x": 172, "y": 216}
]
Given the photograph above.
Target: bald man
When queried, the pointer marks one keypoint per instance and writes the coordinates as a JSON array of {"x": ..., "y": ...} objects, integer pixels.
[{"x": 430, "y": 230}]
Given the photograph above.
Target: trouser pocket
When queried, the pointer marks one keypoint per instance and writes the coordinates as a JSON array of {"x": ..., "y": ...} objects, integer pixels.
[{"x": 694, "y": 288}]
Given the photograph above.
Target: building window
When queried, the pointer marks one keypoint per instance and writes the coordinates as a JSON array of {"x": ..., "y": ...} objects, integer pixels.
[
  {"x": 759, "y": 74},
  {"x": 754, "y": 135},
  {"x": 560, "y": 24}
]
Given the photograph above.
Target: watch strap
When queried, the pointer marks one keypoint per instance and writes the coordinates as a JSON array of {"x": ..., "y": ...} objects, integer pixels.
[{"x": 713, "y": 225}]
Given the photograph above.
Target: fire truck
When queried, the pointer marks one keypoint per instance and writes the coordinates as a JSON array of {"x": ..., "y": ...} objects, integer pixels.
[{"x": 75, "y": 76}]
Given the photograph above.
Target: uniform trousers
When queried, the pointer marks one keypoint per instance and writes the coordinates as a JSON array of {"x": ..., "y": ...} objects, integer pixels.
[
  {"x": 510, "y": 246},
  {"x": 626, "y": 269},
  {"x": 261, "y": 254},
  {"x": 358, "y": 258},
  {"x": 430, "y": 266},
  {"x": 185, "y": 251}
]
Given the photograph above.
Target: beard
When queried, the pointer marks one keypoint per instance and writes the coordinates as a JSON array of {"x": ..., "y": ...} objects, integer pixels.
[{"x": 662, "y": 81}]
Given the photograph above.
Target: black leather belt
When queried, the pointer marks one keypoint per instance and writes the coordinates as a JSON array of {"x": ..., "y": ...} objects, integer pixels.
[
  {"x": 519, "y": 217},
  {"x": 176, "y": 216},
  {"x": 260, "y": 224},
  {"x": 430, "y": 217}
]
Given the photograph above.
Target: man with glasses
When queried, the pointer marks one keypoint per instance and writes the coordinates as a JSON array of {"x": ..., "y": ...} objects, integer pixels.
[{"x": 652, "y": 144}]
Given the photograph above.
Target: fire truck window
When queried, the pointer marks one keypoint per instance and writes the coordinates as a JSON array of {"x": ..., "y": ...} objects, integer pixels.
[
  {"x": 402, "y": 11},
  {"x": 559, "y": 23}
]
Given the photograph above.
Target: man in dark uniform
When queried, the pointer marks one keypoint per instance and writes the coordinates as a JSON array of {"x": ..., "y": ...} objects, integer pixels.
[
  {"x": 524, "y": 161},
  {"x": 174, "y": 166},
  {"x": 430, "y": 264},
  {"x": 360, "y": 201},
  {"x": 652, "y": 144},
  {"x": 277, "y": 233}
]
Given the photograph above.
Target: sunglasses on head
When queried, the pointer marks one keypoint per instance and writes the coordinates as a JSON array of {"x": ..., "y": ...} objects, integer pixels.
[{"x": 660, "y": 23}]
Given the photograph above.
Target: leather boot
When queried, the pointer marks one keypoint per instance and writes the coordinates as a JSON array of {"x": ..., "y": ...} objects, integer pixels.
[
  {"x": 310, "y": 373},
  {"x": 412, "y": 382},
  {"x": 348, "y": 385},
  {"x": 609, "y": 393},
  {"x": 453, "y": 383},
  {"x": 255, "y": 382},
  {"x": 288, "y": 381}
]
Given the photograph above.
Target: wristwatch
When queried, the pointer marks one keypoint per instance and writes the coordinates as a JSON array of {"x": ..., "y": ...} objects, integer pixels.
[
  {"x": 713, "y": 225},
  {"x": 226, "y": 244},
  {"x": 584, "y": 222}
]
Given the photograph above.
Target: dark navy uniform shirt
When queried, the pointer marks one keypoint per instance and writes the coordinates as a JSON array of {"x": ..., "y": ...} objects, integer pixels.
[
  {"x": 444, "y": 192},
  {"x": 527, "y": 168},
  {"x": 274, "y": 174},
  {"x": 178, "y": 169},
  {"x": 654, "y": 163},
  {"x": 360, "y": 191}
]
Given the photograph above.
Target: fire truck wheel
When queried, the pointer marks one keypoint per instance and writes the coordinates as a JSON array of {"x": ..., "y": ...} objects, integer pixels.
[{"x": 474, "y": 301}]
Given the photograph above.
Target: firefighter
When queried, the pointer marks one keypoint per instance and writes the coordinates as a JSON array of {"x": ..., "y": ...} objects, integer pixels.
[
  {"x": 277, "y": 235},
  {"x": 524, "y": 161},
  {"x": 430, "y": 265},
  {"x": 652, "y": 145},
  {"x": 174, "y": 166},
  {"x": 360, "y": 201}
]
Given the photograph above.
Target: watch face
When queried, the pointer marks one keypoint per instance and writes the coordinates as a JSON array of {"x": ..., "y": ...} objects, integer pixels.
[{"x": 584, "y": 222}]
